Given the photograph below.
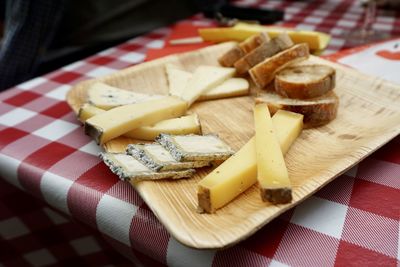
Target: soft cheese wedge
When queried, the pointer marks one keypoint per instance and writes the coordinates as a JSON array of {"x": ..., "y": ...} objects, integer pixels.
[
  {"x": 118, "y": 121},
  {"x": 193, "y": 147},
  {"x": 128, "y": 168},
  {"x": 204, "y": 79},
  {"x": 177, "y": 79},
  {"x": 189, "y": 124},
  {"x": 157, "y": 158},
  {"x": 107, "y": 97},
  {"x": 229, "y": 88},
  {"x": 272, "y": 174},
  {"x": 239, "y": 172}
]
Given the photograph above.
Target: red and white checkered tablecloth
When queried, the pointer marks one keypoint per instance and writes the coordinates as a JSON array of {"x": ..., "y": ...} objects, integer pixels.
[{"x": 352, "y": 221}]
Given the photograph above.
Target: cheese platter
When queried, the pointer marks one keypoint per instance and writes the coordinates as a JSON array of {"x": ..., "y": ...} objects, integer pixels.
[{"x": 367, "y": 118}]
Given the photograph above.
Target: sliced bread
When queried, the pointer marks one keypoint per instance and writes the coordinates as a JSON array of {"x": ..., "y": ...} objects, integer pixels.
[
  {"x": 253, "y": 42},
  {"x": 317, "y": 111},
  {"x": 265, "y": 50},
  {"x": 240, "y": 50},
  {"x": 305, "y": 81},
  {"x": 264, "y": 72}
]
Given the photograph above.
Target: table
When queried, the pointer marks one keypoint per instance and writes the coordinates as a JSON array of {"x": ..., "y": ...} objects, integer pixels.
[{"x": 352, "y": 221}]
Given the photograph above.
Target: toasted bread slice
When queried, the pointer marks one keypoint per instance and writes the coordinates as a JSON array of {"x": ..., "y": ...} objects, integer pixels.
[
  {"x": 264, "y": 72},
  {"x": 306, "y": 81},
  {"x": 240, "y": 50},
  {"x": 317, "y": 111},
  {"x": 265, "y": 50},
  {"x": 253, "y": 42},
  {"x": 230, "y": 57}
]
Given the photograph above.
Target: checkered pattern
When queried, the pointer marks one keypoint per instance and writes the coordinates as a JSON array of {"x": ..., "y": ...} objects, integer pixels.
[{"x": 352, "y": 221}]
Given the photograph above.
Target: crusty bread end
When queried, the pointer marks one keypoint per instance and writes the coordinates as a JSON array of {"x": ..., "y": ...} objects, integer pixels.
[
  {"x": 264, "y": 72},
  {"x": 230, "y": 57}
]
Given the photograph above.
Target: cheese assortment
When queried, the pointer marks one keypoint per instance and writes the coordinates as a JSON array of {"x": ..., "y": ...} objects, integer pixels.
[{"x": 179, "y": 147}]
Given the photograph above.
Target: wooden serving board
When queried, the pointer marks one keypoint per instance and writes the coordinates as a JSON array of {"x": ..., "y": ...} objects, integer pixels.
[{"x": 368, "y": 117}]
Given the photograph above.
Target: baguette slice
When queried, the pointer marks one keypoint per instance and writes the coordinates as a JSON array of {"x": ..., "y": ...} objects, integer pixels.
[
  {"x": 263, "y": 73},
  {"x": 240, "y": 50},
  {"x": 304, "y": 82},
  {"x": 265, "y": 50},
  {"x": 253, "y": 42},
  {"x": 317, "y": 111}
]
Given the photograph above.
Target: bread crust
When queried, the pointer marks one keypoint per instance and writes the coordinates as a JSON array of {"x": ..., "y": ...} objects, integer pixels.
[
  {"x": 265, "y": 50},
  {"x": 253, "y": 42},
  {"x": 305, "y": 90},
  {"x": 317, "y": 111},
  {"x": 230, "y": 57},
  {"x": 263, "y": 73}
]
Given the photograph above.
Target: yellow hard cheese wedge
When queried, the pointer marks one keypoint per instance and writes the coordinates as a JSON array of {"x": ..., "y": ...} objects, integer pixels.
[
  {"x": 229, "y": 88},
  {"x": 115, "y": 122},
  {"x": 239, "y": 172},
  {"x": 241, "y": 31},
  {"x": 177, "y": 79},
  {"x": 204, "y": 79},
  {"x": 189, "y": 124},
  {"x": 272, "y": 174}
]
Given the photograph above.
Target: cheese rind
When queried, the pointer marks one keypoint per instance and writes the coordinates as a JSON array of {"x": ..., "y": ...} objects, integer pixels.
[
  {"x": 120, "y": 120},
  {"x": 195, "y": 147},
  {"x": 157, "y": 158},
  {"x": 229, "y": 88},
  {"x": 239, "y": 172},
  {"x": 204, "y": 79},
  {"x": 272, "y": 174},
  {"x": 128, "y": 168},
  {"x": 107, "y": 97}
]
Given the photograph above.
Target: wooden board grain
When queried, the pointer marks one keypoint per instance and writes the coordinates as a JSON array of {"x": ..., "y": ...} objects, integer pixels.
[{"x": 368, "y": 117}]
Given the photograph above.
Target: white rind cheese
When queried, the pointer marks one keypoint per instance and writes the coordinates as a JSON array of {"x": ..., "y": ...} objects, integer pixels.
[
  {"x": 107, "y": 97},
  {"x": 195, "y": 147},
  {"x": 157, "y": 158},
  {"x": 128, "y": 168}
]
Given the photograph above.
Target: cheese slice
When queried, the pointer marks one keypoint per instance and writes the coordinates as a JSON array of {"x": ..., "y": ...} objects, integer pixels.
[
  {"x": 229, "y": 88},
  {"x": 195, "y": 147},
  {"x": 177, "y": 79},
  {"x": 204, "y": 79},
  {"x": 157, "y": 158},
  {"x": 242, "y": 31},
  {"x": 87, "y": 111},
  {"x": 239, "y": 172},
  {"x": 120, "y": 120},
  {"x": 272, "y": 174},
  {"x": 128, "y": 168},
  {"x": 107, "y": 97},
  {"x": 189, "y": 124}
]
